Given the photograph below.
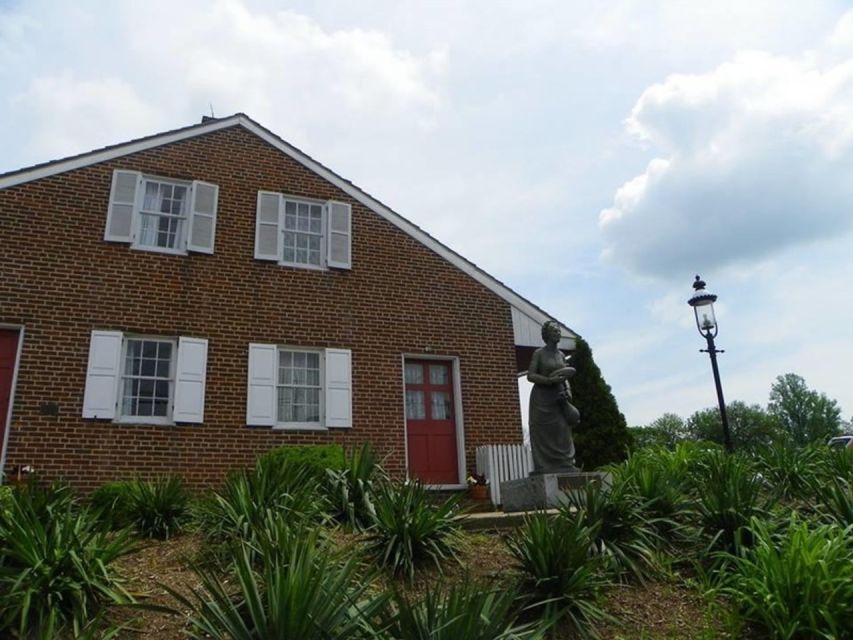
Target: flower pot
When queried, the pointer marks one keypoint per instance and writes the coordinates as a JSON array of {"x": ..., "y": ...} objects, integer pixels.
[{"x": 478, "y": 492}]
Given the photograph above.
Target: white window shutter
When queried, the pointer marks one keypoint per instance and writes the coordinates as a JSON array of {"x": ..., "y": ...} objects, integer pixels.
[
  {"x": 122, "y": 206},
  {"x": 267, "y": 231},
  {"x": 202, "y": 230},
  {"x": 338, "y": 388},
  {"x": 102, "y": 375},
  {"x": 261, "y": 401},
  {"x": 339, "y": 245},
  {"x": 190, "y": 378}
]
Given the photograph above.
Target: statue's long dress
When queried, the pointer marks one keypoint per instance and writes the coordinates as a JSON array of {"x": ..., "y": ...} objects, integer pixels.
[{"x": 551, "y": 420}]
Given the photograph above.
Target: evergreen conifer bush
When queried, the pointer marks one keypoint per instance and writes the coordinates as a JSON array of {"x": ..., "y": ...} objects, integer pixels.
[{"x": 602, "y": 436}]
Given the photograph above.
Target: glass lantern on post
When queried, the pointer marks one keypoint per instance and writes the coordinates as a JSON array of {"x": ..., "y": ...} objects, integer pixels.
[{"x": 702, "y": 302}]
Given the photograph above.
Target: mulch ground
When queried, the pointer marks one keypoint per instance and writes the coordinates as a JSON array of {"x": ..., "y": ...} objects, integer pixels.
[{"x": 655, "y": 611}]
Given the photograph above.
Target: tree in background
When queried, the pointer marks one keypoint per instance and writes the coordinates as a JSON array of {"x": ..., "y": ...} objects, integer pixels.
[
  {"x": 667, "y": 431},
  {"x": 602, "y": 435},
  {"x": 804, "y": 415},
  {"x": 750, "y": 426}
]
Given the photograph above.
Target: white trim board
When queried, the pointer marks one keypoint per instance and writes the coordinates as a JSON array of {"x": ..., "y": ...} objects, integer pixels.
[{"x": 533, "y": 312}]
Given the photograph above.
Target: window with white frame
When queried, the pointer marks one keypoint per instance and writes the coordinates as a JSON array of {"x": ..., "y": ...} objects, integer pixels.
[
  {"x": 303, "y": 233},
  {"x": 145, "y": 380},
  {"x": 148, "y": 379},
  {"x": 162, "y": 214},
  {"x": 299, "y": 388}
]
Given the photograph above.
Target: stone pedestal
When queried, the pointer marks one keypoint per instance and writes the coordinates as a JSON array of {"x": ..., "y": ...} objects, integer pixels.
[{"x": 546, "y": 490}]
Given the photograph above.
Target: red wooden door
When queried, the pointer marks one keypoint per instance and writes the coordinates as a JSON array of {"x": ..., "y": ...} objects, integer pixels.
[
  {"x": 431, "y": 422},
  {"x": 8, "y": 353}
]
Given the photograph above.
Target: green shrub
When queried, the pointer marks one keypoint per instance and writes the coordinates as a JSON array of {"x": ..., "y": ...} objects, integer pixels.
[
  {"x": 798, "y": 584},
  {"x": 410, "y": 528},
  {"x": 54, "y": 565},
  {"x": 243, "y": 505},
  {"x": 623, "y": 530},
  {"x": 729, "y": 495},
  {"x": 309, "y": 593},
  {"x": 467, "y": 611},
  {"x": 317, "y": 458},
  {"x": 111, "y": 503},
  {"x": 560, "y": 574},
  {"x": 5, "y": 498},
  {"x": 351, "y": 489}
]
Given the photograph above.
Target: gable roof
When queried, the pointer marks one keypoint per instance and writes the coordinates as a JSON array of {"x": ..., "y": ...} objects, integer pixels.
[{"x": 527, "y": 317}]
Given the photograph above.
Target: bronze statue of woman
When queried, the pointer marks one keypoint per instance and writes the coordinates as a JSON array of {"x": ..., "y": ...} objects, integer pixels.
[{"x": 552, "y": 413}]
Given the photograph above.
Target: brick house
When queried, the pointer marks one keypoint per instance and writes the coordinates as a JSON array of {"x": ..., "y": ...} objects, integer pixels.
[{"x": 181, "y": 303}]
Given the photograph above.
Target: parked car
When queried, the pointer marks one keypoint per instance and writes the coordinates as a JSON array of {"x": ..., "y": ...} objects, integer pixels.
[{"x": 841, "y": 442}]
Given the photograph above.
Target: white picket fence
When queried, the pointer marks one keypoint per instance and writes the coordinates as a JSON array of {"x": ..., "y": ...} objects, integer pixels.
[{"x": 502, "y": 462}]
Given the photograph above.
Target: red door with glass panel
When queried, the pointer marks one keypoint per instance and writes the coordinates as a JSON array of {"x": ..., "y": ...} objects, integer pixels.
[
  {"x": 430, "y": 422},
  {"x": 8, "y": 353}
]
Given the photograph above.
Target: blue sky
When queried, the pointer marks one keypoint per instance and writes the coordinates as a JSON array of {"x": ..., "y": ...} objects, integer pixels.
[{"x": 593, "y": 156}]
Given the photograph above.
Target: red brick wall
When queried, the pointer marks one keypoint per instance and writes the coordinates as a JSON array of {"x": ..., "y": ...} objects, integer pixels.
[{"x": 60, "y": 279}]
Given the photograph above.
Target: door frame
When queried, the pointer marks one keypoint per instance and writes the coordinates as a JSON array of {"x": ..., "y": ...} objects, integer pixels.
[
  {"x": 4, "y": 446},
  {"x": 457, "y": 411}
]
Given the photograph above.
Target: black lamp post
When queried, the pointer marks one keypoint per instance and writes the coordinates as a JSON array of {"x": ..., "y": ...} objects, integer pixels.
[{"x": 703, "y": 308}]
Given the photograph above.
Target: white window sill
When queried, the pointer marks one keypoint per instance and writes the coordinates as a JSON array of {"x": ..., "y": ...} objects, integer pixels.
[
  {"x": 299, "y": 426},
  {"x": 145, "y": 422},
  {"x": 299, "y": 265},
  {"x": 171, "y": 252}
]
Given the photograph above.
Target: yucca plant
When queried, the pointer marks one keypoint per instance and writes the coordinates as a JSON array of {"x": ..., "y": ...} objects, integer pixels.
[
  {"x": 55, "y": 573},
  {"x": 794, "y": 584},
  {"x": 243, "y": 505},
  {"x": 835, "y": 463},
  {"x": 466, "y": 611},
  {"x": 309, "y": 593},
  {"x": 410, "y": 528},
  {"x": 730, "y": 495},
  {"x": 833, "y": 501},
  {"x": 562, "y": 576},
  {"x": 351, "y": 488},
  {"x": 624, "y": 530},
  {"x": 158, "y": 508},
  {"x": 659, "y": 489},
  {"x": 787, "y": 470}
]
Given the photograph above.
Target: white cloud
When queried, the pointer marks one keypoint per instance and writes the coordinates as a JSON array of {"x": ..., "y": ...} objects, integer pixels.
[
  {"x": 759, "y": 154},
  {"x": 70, "y": 111},
  {"x": 160, "y": 65}
]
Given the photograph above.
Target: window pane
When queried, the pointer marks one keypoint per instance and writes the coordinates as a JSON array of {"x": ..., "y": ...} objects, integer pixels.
[
  {"x": 415, "y": 405},
  {"x": 438, "y": 374},
  {"x": 149, "y": 367},
  {"x": 440, "y": 405},
  {"x": 414, "y": 374}
]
